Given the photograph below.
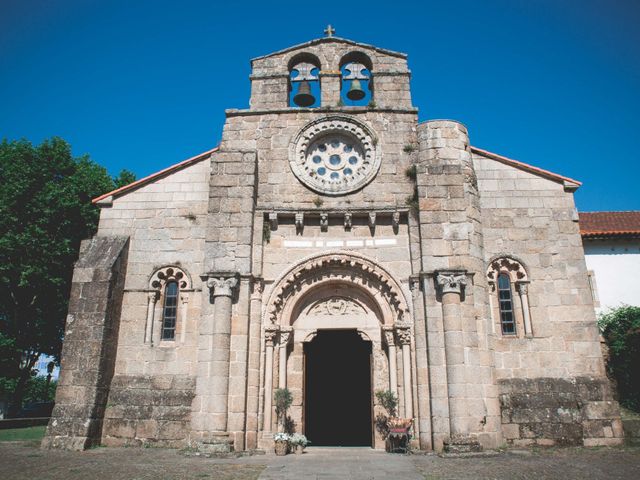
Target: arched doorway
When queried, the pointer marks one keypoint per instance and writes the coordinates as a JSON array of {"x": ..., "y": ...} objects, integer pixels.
[{"x": 337, "y": 393}]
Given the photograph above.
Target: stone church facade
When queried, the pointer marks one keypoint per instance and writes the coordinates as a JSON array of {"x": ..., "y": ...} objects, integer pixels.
[{"x": 333, "y": 245}]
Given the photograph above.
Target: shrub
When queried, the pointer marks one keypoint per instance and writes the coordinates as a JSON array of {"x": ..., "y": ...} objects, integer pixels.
[{"x": 621, "y": 330}]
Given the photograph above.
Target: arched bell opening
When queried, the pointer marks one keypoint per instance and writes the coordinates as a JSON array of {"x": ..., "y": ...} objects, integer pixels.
[
  {"x": 304, "y": 82},
  {"x": 356, "y": 79}
]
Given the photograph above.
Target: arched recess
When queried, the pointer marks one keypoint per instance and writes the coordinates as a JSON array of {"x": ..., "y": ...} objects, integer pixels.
[
  {"x": 356, "y": 71},
  {"x": 336, "y": 291},
  {"x": 318, "y": 271},
  {"x": 304, "y": 82}
]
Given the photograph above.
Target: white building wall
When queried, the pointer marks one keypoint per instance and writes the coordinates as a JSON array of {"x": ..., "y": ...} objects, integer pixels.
[{"x": 615, "y": 265}]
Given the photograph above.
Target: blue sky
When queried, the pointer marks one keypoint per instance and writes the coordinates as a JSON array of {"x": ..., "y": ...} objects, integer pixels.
[{"x": 144, "y": 84}]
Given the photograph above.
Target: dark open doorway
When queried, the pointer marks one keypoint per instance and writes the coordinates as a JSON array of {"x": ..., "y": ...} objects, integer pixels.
[{"x": 338, "y": 389}]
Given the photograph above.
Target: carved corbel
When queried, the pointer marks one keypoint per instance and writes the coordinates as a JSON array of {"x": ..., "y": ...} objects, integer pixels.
[
  {"x": 347, "y": 221},
  {"x": 273, "y": 220},
  {"x": 299, "y": 219},
  {"x": 372, "y": 219},
  {"x": 324, "y": 222},
  {"x": 395, "y": 221}
]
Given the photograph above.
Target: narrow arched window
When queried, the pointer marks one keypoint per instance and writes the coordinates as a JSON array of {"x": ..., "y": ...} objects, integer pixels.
[
  {"x": 507, "y": 318},
  {"x": 170, "y": 311}
]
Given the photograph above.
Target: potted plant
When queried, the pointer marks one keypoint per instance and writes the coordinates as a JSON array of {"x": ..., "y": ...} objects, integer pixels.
[
  {"x": 298, "y": 441},
  {"x": 282, "y": 400},
  {"x": 281, "y": 441}
]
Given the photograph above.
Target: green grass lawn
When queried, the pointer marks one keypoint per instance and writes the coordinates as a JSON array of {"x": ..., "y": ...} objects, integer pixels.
[{"x": 22, "y": 434}]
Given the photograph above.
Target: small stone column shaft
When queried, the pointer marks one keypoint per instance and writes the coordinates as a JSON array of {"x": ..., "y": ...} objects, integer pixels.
[
  {"x": 282, "y": 372},
  {"x": 393, "y": 366},
  {"x": 151, "y": 308},
  {"x": 269, "y": 336},
  {"x": 403, "y": 333},
  {"x": 523, "y": 291}
]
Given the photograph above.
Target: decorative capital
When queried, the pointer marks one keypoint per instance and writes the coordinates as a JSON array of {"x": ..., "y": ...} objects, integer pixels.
[
  {"x": 403, "y": 333},
  {"x": 184, "y": 297},
  {"x": 285, "y": 335},
  {"x": 153, "y": 296},
  {"x": 389, "y": 335},
  {"x": 270, "y": 334},
  {"x": 523, "y": 288},
  {"x": 222, "y": 285},
  {"x": 452, "y": 281}
]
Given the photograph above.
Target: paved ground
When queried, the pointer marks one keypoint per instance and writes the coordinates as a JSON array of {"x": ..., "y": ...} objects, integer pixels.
[
  {"x": 25, "y": 461},
  {"x": 344, "y": 463}
]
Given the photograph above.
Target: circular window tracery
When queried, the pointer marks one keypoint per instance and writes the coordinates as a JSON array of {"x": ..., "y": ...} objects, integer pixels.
[{"x": 334, "y": 155}]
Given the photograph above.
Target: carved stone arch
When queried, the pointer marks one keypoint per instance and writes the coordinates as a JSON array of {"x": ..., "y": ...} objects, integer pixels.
[
  {"x": 509, "y": 265},
  {"x": 170, "y": 273},
  {"x": 157, "y": 284},
  {"x": 338, "y": 267}
]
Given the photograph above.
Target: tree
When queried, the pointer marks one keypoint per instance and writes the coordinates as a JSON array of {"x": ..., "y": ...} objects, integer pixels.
[
  {"x": 45, "y": 211},
  {"x": 621, "y": 330}
]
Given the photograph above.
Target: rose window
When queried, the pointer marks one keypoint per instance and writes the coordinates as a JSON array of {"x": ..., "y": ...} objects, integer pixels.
[{"x": 334, "y": 156}]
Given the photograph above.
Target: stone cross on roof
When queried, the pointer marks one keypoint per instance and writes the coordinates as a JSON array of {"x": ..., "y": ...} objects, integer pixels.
[{"x": 329, "y": 31}]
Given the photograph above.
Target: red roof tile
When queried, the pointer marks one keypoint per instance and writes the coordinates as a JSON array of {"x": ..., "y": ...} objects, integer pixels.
[
  {"x": 154, "y": 176},
  {"x": 609, "y": 224}
]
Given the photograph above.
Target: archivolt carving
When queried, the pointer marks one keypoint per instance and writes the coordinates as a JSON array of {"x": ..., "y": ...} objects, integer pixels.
[
  {"x": 170, "y": 273},
  {"x": 337, "y": 267},
  {"x": 507, "y": 265}
]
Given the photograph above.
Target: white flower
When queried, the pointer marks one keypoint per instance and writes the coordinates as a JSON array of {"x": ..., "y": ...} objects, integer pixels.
[{"x": 281, "y": 437}]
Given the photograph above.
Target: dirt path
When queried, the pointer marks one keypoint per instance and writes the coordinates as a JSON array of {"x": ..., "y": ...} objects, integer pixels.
[{"x": 20, "y": 461}]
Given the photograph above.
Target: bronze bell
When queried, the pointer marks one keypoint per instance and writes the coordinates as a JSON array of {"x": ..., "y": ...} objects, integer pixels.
[
  {"x": 355, "y": 90},
  {"x": 304, "y": 98}
]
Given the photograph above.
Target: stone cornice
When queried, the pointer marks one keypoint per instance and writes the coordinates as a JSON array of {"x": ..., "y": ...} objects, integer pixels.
[{"x": 322, "y": 110}]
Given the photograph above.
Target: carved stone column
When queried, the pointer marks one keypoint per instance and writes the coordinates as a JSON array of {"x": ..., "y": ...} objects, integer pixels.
[
  {"x": 451, "y": 285},
  {"x": 523, "y": 291},
  {"x": 285, "y": 334},
  {"x": 269, "y": 339},
  {"x": 209, "y": 423},
  {"x": 151, "y": 308},
  {"x": 403, "y": 332},
  {"x": 393, "y": 367}
]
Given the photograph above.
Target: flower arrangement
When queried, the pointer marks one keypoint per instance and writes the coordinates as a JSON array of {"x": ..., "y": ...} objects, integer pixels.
[
  {"x": 298, "y": 439},
  {"x": 282, "y": 437}
]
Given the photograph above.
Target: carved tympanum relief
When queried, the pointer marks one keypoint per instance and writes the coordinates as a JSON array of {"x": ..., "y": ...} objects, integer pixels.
[{"x": 336, "y": 306}]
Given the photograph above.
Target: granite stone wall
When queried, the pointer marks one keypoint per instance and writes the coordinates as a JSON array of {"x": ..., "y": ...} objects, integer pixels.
[
  {"x": 555, "y": 411},
  {"x": 90, "y": 344},
  {"x": 149, "y": 410}
]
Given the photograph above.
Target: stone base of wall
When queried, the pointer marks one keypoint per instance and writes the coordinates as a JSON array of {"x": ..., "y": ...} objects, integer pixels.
[
  {"x": 144, "y": 410},
  {"x": 556, "y": 411}
]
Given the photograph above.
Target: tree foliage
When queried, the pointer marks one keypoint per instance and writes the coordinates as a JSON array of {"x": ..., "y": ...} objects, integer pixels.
[
  {"x": 45, "y": 211},
  {"x": 621, "y": 330}
]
